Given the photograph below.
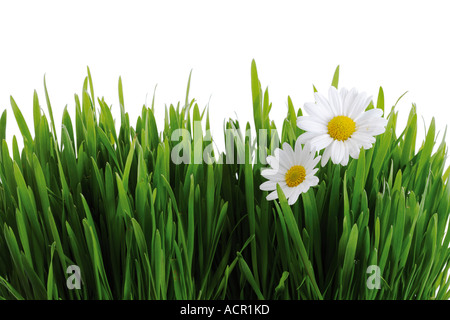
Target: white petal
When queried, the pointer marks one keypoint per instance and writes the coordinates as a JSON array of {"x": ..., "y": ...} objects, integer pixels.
[
  {"x": 343, "y": 93},
  {"x": 360, "y": 103},
  {"x": 272, "y": 161},
  {"x": 268, "y": 186},
  {"x": 337, "y": 151},
  {"x": 318, "y": 111},
  {"x": 334, "y": 151},
  {"x": 311, "y": 172},
  {"x": 305, "y": 137},
  {"x": 363, "y": 139},
  {"x": 298, "y": 145},
  {"x": 372, "y": 130},
  {"x": 272, "y": 196},
  {"x": 270, "y": 174},
  {"x": 310, "y": 148},
  {"x": 298, "y": 151},
  {"x": 335, "y": 100},
  {"x": 366, "y": 103},
  {"x": 309, "y": 160},
  {"x": 322, "y": 141},
  {"x": 373, "y": 122},
  {"x": 369, "y": 115},
  {"x": 294, "y": 196},
  {"x": 279, "y": 177},
  {"x": 313, "y": 181},
  {"x": 326, "y": 156},
  {"x": 312, "y": 162},
  {"x": 323, "y": 101},
  {"x": 315, "y": 161},
  {"x": 357, "y": 101},
  {"x": 311, "y": 124},
  {"x": 276, "y": 153},
  {"x": 288, "y": 149},
  {"x": 348, "y": 101},
  {"x": 285, "y": 160},
  {"x": 362, "y": 107},
  {"x": 288, "y": 191},
  {"x": 354, "y": 149},
  {"x": 342, "y": 149},
  {"x": 305, "y": 155},
  {"x": 344, "y": 160},
  {"x": 276, "y": 166},
  {"x": 304, "y": 187}
]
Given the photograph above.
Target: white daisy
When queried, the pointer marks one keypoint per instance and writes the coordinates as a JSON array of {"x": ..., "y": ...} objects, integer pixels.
[
  {"x": 292, "y": 169},
  {"x": 340, "y": 124}
]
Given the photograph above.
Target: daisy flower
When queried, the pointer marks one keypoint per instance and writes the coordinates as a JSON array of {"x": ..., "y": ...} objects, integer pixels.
[
  {"x": 292, "y": 169},
  {"x": 340, "y": 124}
]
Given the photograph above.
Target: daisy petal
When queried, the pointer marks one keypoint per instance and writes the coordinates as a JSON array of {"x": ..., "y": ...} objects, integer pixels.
[
  {"x": 321, "y": 141},
  {"x": 337, "y": 152},
  {"x": 314, "y": 162},
  {"x": 354, "y": 150},
  {"x": 311, "y": 124},
  {"x": 272, "y": 196},
  {"x": 372, "y": 130},
  {"x": 373, "y": 122},
  {"x": 368, "y": 115},
  {"x": 305, "y": 186},
  {"x": 363, "y": 106},
  {"x": 294, "y": 196},
  {"x": 278, "y": 177},
  {"x": 323, "y": 101},
  {"x": 305, "y": 137},
  {"x": 335, "y": 100},
  {"x": 348, "y": 101},
  {"x": 272, "y": 161},
  {"x": 343, "y": 94},
  {"x": 358, "y": 105},
  {"x": 287, "y": 148},
  {"x": 363, "y": 139},
  {"x": 268, "y": 185},
  {"x": 269, "y": 173},
  {"x": 285, "y": 160},
  {"x": 326, "y": 156},
  {"x": 288, "y": 191},
  {"x": 344, "y": 160},
  {"x": 310, "y": 148},
  {"x": 313, "y": 181},
  {"x": 298, "y": 151},
  {"x": 319, "y": 111}
]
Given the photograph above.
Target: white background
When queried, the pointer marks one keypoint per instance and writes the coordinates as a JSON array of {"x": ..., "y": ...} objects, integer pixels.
[{"x": 399, "y": 45}]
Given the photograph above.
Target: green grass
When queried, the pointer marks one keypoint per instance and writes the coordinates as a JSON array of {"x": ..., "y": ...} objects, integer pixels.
[{"x": 109, "y": 199}]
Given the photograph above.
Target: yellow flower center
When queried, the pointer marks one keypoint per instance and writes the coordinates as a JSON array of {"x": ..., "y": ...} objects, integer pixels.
[
  {"x": 341, "y": 128},
  {"x": 295, "y": 176}
]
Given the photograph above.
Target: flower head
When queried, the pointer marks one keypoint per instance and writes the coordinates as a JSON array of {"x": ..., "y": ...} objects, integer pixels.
[
  {"x": 292, "y": 169},
  {"x": 340, "y": 124}
]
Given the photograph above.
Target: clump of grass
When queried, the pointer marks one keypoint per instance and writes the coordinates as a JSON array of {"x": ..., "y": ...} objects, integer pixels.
[{"x": 139, "y": 226}]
